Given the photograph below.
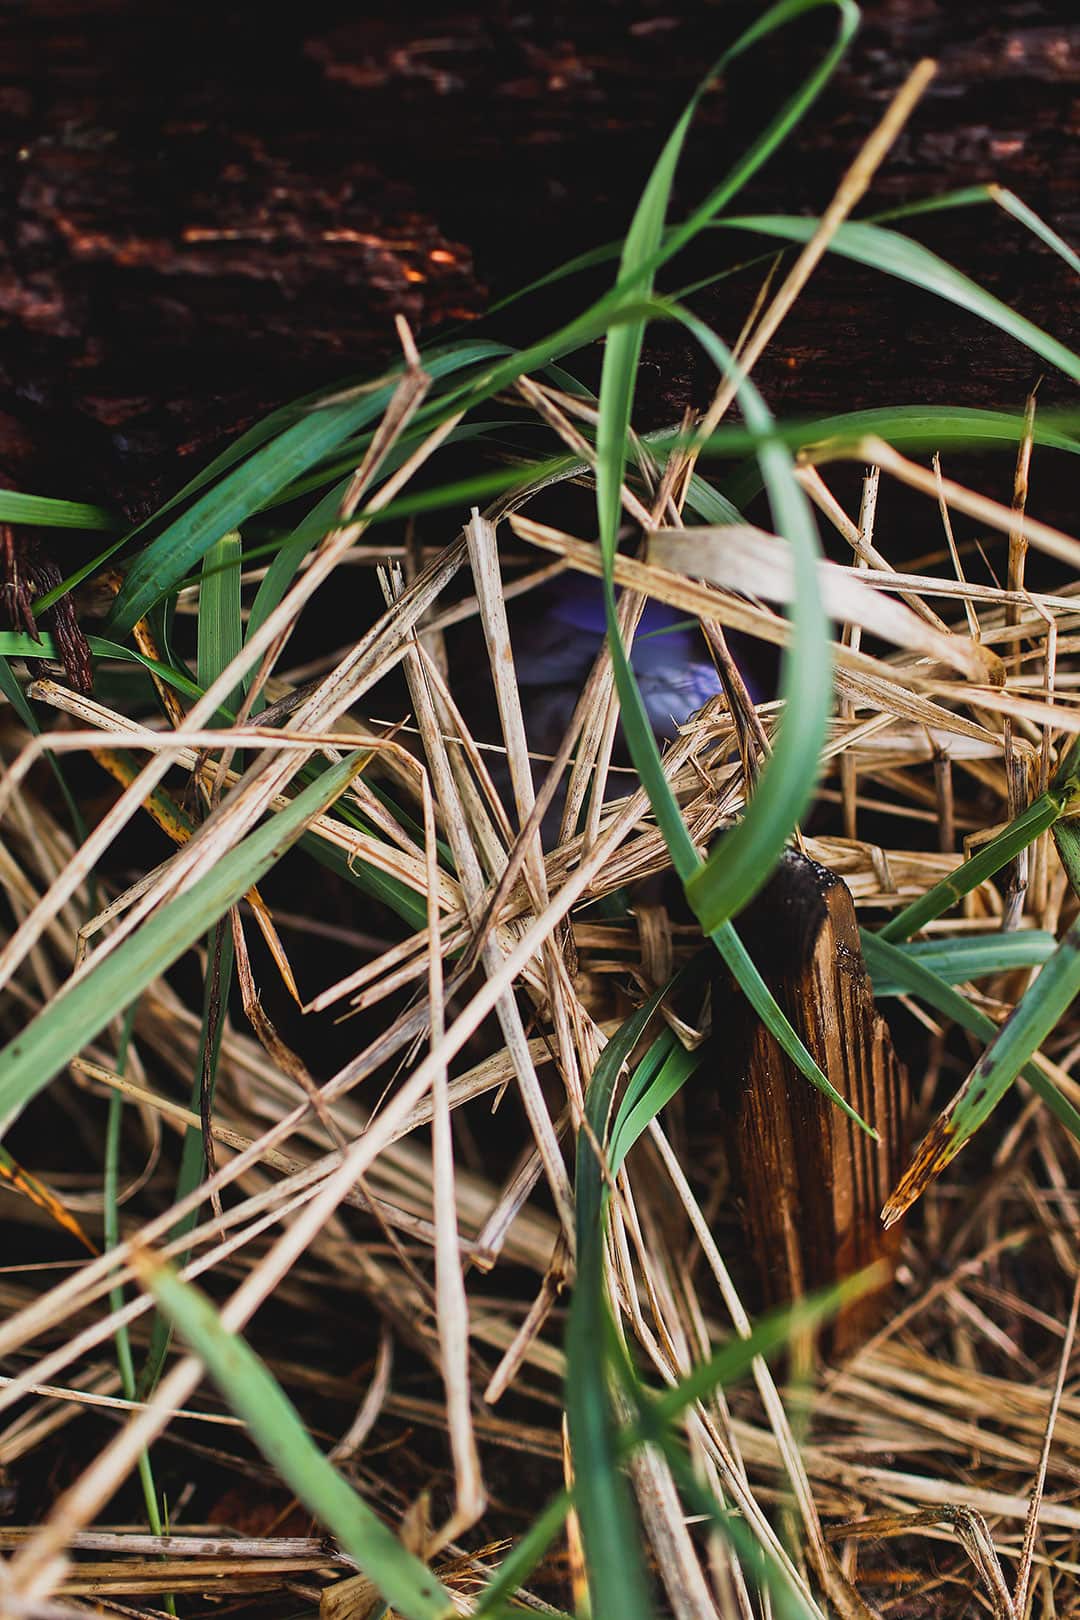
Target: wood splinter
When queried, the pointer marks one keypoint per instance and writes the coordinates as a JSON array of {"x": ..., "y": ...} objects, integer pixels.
[{"x": 810, "y": 1184}]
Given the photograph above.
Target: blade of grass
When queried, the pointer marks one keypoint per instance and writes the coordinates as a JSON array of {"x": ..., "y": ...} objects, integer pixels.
[
  {"x": 660, "y": 1075},
  {"x": 15, "y": 507},
  {"x": 220, "y": 630},
  {"x": 1023, "y": 1032},
  {"x": 122, "y": 1338},
  {"x": 17, "y": 644},
  {"x": 906, "y": 260},
  {"x": 1067, "y": 839},
  {"x": 1040, "y": 814},
  {"x": 795, "y": 761},
  {"x": 85, "y": 1005},
  {"x": 611, "y": 1536},
  {"x": 772, "y": 1334},
  {"x": 437, "y": 363},
  {"x": 902, "y": 967},
  {"x": 279, "y": 1432},
  {"x": 955, "y": 961}
]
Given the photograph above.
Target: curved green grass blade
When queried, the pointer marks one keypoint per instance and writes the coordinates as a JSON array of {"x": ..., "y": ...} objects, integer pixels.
[
  {"x": 662, "y": 1073},
  {"x": 743, "y": 860},
  {"x": 16, "y": 507},
  {"x": 609, "y": 1528},
  {"x": 18, "y": 644},
  {"x": 621, "y": 354},
  {"x": 905, "y": 427},
  {"x": 974, "y": 956},
  {"x": 1033, "y": 1018},
  {"x": 168, "y": 558},
  {"x": 278, "y": 1430},
  {"x": 1067, "y": 839},
  {"x": 901, "y": 966},
  {"x": 248, "y": 488},
  {"x": 899, "y": 256},
  {"x": 1040, "y": 815},
  {"x": 79, "y": 1011},
  {"x": 1009, "y": 1053},
  {"x": 219, "y": 636},
  {"x": 772, "y": 19},
  {"x": 1006, "y": 200}
]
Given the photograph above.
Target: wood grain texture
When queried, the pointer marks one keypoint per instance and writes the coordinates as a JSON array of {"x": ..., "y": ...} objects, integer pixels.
[{"x": 809, "y": 1182}]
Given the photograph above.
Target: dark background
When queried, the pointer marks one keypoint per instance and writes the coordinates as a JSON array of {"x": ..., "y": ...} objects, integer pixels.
[{"x": 210, "y": 209}]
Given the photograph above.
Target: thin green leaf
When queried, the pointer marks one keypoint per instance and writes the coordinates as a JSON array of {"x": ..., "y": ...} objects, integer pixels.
[
  {"x": 957, "y": 959},
  {"x": 906, "y": 427},
  {"x": 1040, "y": 814},
  {"x": 83, "y": 1007},
  {"x": 220, "y": 630},
  {"x": 809, "y": 654},
  {"x": 168, "y": 558},
  {"x": 609, "y": 1529},
  {"x": 11, "y": 689},
  {"x": 1006, "y": 200},
  {"x": 18, "y": 644},
  {"x": 644, "y": 1100},
  {"x": 122, "y": 1339},
  {"x": 1067, "y": 839},
  {"x": 900, "y": 965},
  {"x": 252, "y": 485},
  {"x": 899, "y": 256},
  {"x": 1014, "y": 1044},
  {"x": 743, "y": 860},
  {"x": 437, "y": 363},
  {"x": 278, "y": 1430},
  {"x": 16, "y": 507}
]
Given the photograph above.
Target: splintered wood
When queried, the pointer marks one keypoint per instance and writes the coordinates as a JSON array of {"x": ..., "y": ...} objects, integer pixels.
[{"x": 810, "y": 1183}]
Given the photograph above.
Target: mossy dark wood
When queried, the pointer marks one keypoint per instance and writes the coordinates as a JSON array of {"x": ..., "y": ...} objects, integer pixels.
[{"x": 810, "y": 1184}]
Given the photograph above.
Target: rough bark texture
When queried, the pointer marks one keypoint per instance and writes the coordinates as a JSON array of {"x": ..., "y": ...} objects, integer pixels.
[
  {"x": 209, "y": 209},
  {"x": 809, "y": 1182}
]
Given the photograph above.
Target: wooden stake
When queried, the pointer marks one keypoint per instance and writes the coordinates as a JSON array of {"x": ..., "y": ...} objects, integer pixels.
[{"x": 809, "y": 1182}]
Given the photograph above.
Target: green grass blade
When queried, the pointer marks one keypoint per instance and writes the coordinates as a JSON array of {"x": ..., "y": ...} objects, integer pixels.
[
  {"x": 220, "y": 631},
  {"x": 1008, "y": 201},
  {"x": 743, "y": 860},
  {"x": 609, "y": 1529},
  {"x": 1067, "y": 839},
  {"x": 166, "y": 560},
  {"x": 496, "y": 1600},
  {"x": 643, "y": 1102},
  {"x": 252, "y": 486},
  {"x": 797, "y": 771},
  {"x": 16, "y": 507},
  {"x": 1040, "y": 814},
  {"x": 13, "y": 692},
  {"x": 121, "y": 1338},
  {"x": 899, "y": 256},
  {"x": 278, "y": 1430},
  {"x": 1023, "y": 1032},
  {"x": 1009, "y": 1052},
  {"x": 80, "y": 1010},
  {"x": 905, "y": 427},
  {"x": 761, "y": 998},
  {"x": 192, "y": 1166},
  {"x": 219, "y": 639},
  {"x": 893, "y": 962},
  {"x": 438, "y": 363},
  {"x": 18, "y": 644},
  {"x": 976, "y": 956}
]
